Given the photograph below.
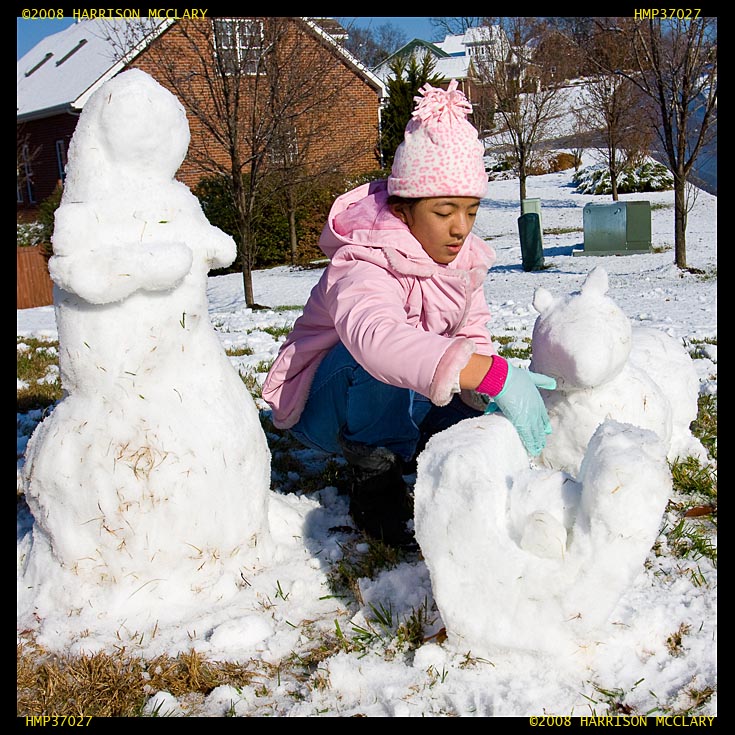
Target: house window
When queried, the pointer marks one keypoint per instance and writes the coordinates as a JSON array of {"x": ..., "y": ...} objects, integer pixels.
[
  {"x": 239, "y": 44},
  {"x": 61, "y": 158},
  {"x": 24, "y": 179},
  {"x": 285, "y": 148}
]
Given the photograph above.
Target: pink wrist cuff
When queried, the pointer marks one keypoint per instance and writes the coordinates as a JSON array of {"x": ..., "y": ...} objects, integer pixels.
[{"x": 494, "y": 379}]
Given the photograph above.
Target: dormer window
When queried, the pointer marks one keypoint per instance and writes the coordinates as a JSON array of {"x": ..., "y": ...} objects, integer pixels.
[
  {"x": 72, "y": 52},
  {"x": 39, "y": 64}
]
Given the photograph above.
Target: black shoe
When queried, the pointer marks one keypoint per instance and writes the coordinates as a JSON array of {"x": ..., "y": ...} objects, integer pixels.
[{"x": 381, "y": 502}]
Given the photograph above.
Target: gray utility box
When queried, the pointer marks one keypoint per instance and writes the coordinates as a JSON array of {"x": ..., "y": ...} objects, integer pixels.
[
  {"x": 616, "y": 228},
  {"x": 533, "y": 205}
]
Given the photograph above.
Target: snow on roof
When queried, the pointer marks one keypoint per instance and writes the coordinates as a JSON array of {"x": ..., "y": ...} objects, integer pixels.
[
  {"x": 452, "y": 45},
  {"x": 457, "y": 45},
  {"x": 455, "y": 67},
  {"x": 63, "y": 69}
]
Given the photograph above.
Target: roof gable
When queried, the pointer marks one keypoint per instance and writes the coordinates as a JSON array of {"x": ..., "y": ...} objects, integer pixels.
[
  {"x": 64, "y": 69},
  {"x": 60, "y": 72}
]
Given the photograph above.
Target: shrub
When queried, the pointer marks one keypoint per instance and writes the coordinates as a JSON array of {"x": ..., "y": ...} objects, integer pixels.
[
  {"x": 46, "y": 211},
  {"x": 648, "y": 176},
  {"x": 28, "y": 234},
  {"x": 270, "y": 226},
  {"x": 552, "y": 163},
  {"x": 39, "y": 232}
]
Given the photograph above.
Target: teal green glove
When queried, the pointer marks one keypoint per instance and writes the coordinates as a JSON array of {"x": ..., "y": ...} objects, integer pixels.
[{"x": 521, "y": 403}]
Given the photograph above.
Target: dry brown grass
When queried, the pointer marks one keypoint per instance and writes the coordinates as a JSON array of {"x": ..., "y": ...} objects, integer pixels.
[{"x": 117, "y": 685}]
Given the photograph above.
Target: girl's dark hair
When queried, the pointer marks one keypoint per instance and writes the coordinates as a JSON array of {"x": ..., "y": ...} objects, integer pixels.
[{"x": 410, "y": 201}]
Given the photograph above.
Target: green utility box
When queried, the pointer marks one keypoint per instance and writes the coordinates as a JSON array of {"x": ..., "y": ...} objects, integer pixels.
[
  {"x": 616, "y": 228},
  {"x": 532, "y": 252},
  {"x": 533, "y": 205}
]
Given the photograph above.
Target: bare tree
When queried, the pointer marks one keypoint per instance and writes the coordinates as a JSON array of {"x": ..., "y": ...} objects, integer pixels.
[
  {"x": 373, "y": 45},
  {"x": 454, "y": 26},
  {"x": 261, "y": 92},
  {"x": 299, "y": 162},
  {"x": 581, "y": 138},
  {"x": 24, "y": 158},
  {"x": 677, "y": 64},
  {"x": 674, "y": 63},
  {"x": 614, "y": 113},
  {"x": 524, "y": 86}
]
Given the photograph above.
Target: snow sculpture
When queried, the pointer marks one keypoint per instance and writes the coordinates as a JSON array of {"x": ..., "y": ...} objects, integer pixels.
[
  {"x": 605, "y": 368},
  {"x": 150, "y": 479},
  {"x": 529, "y": 558}
]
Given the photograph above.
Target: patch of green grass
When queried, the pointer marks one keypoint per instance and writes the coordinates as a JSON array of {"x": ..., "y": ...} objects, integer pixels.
[
  {"x": 410, "y": 633},
  {"x": 275, "y": 332},
  {"x": 704, "y": 427},
  {"x": 36, "y": 361},
  {"x": 239, "y": 351},
  {"x": 504, "y": 350},
  {"x": 692, "y": 539},
  {"x": 561, "y": 230},
  {"x": 695, "y": 481},
  {"x": 345, "y": 574},
  {"x": 695, "y": 495},
  {"x": 383, "y": 630}
]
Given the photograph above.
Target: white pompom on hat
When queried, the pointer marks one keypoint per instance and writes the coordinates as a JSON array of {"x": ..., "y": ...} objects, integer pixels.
[{"x": 441, "y": 154}]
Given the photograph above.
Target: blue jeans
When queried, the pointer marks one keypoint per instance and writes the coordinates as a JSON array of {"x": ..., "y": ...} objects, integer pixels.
[{"x": 345, "y": 400}]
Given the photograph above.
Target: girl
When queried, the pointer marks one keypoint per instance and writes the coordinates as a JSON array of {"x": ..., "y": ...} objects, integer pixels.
[{"x": 393, "y": 346}]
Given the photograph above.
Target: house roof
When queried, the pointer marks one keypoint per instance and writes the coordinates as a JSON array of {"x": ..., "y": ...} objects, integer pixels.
[
  {"x": 455, "y": 67},
  {"x": 63, "y": 70},
  {"x": 452, "y": 55},
  {"x": 382, "y": 70},
  {"x": 316, "y": 24}
]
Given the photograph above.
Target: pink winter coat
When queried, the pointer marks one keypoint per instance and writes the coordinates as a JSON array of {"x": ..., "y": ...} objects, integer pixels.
[{"x": 409, "y": 321}]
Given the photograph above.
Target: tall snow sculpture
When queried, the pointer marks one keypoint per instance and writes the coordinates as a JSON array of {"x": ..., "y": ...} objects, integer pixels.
[{"x": 149, "y": 482}]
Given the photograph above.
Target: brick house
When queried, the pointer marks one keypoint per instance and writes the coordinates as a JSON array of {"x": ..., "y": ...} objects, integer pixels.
[{"x": 57, "y": 77}]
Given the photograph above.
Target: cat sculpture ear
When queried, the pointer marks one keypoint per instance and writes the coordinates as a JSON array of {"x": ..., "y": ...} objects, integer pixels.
[
  {"x": 596, "y": 281},
  {"x": 542, "y": 300}
]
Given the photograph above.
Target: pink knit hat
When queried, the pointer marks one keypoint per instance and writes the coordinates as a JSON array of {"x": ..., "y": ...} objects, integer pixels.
[{"x": 440, "y": 154}]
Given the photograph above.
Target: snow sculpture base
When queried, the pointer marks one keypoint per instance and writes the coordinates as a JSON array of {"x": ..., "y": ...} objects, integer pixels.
[
  {"x": 534, "y": 559},
  {"x": 149, "y": 482}
]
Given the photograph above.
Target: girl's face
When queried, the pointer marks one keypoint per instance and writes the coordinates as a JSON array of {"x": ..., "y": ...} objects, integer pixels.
[{"x": 440, "y": 224}]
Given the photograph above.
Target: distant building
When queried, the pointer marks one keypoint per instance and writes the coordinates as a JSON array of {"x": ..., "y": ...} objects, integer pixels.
[{"x": 459, "y": 57}]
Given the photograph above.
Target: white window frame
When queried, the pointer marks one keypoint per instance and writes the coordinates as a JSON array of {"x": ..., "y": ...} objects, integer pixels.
[
  {"x": 286, "y": 150},
  {"x": 27, "y": 177},
  {"x": 61, "y": 158},
  {"x": 239, "y": 41}
]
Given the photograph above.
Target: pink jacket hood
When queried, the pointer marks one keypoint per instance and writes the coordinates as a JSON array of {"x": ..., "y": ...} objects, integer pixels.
[{"x": 408, "y": 320}]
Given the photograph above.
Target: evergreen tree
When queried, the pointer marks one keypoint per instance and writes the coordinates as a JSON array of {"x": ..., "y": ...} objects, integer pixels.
[{"x": 408, "y": 75}]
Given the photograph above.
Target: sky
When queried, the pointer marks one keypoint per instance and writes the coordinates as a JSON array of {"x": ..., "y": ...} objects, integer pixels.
[
  {"x": 29, "y": 32},
  {"x": 538, "y": 601}
]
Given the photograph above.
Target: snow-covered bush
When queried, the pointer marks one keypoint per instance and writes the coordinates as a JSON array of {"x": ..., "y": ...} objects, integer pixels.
[
  {"x": 28, "y": 234},
  {"x": 647, "y": 176}
]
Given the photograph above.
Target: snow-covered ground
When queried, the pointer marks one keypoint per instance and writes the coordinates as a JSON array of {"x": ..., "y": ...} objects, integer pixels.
[{"x": 290, "y": 609}]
